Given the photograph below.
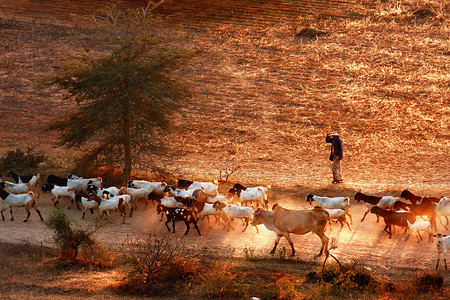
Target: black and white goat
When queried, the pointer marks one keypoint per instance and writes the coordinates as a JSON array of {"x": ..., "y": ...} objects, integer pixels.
[
  {"x": 60, "y": 191},
  {"x": 91, "y": 205},
  {"x": 78, "y": 183},
  {"x": 385, "y": 202},
  {"x": 245, "y": 196},
  {"x": 115, "y": 203},
  {"x": 333, "y": 202},
  {"x": 32, "y": 180},
  {"x": 12, "y": 200}
]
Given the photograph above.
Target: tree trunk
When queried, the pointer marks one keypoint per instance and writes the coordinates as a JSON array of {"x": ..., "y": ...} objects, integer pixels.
[{"x": 126, "y": 141}]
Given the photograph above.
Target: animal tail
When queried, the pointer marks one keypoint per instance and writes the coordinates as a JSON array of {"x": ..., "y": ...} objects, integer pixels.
[{"x": 121, "y": 205}]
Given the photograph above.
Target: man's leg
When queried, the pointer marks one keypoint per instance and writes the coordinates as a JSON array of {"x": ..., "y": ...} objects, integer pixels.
[{"x": 336, "y": 168}]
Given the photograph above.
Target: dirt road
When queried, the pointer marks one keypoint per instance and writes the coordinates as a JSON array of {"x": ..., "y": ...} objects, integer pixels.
[{"x": 366, "y": 242}]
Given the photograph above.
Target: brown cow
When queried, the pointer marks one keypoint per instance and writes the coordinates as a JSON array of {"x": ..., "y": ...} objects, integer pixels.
[{"x": 284, "y": 221}]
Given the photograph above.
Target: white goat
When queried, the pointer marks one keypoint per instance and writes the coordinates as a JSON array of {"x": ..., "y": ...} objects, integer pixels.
[
  {"x": 442, "y": 245},
  {"x": 60, "y": 191},
  {"x": 86, "y": 203},
  {"x": 236, "y": 212},
  {"x": 338, "y": 214},
  {"x": 109, "y": 191},
  {"x": 107, "y": 205},
  {"x": 32, "y": 180},
  {"x": 12, "y": 200},
  {"x": 81, "y": 184},
  {"x": 200, "y": 195},
  {"x": 203, "y": 209},
  {"x": 15, "y": 188},
  {"x": 175, "y": 192},
  {"x": 420, "y": 226},
  {"x": 210, "y": 188},
  {"x": 252, "y": 195},
  {"x": 155, "y": 187},
  {"x": 135, "y": 193},
  {"x": 334, "y": 202},
  {"x": 443, "y": 209}
]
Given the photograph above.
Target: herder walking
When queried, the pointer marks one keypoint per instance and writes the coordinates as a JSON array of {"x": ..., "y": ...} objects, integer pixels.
[{"x": 336, "y": 156}]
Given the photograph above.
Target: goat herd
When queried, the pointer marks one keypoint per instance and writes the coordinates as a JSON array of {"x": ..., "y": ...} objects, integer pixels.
[{"x": 191, "y": 201}]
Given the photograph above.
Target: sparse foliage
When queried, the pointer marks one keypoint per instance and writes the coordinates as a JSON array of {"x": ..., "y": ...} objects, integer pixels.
[
  {"x": 151, "y": 255},
  {"x": 124, "y": 96},
  {"x": 226, "y": 169},
  {"x": 67, "y": 238}
]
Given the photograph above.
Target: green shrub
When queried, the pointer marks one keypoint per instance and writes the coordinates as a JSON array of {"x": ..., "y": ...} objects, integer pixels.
[{"x": 68, "y": 239}]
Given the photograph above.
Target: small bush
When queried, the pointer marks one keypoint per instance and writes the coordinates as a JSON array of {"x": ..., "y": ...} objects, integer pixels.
[
  {"x": 220, "y": 282},
  {"x": 249, "y": 254},
  {"x": 157, "y": 262},
  {"x": 341, "y": 280},
  {"x": 20, "y": 161},
  {"x": 429, "y": 282},
  {"x": 65, "y": 237}
]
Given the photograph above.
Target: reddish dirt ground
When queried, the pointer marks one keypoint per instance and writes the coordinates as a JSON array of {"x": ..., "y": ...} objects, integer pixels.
[{"x": 366, "y": 242}]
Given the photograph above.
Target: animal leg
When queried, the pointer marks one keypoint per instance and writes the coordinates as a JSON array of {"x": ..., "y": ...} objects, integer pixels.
[
  {"x": 229, "y": 224},
  {"x": 173, "y": 225},
  {"x": 256, "y": 226},
  {"x": 445, "y": 263},
  {"x": 350, "y": 216},
  {"x": 196, "y": 227},
  {"x": 10, "y": 211},
  {"x": 3, "y": 217},
  {"x": 131, "y": 211},
  {"x": 329, "y": 222},
  {"x": 187, "y": 227},
  {"x": 324, "y": 247},
  {"x": 345, "y": 221},
  {"x": 366, "y": 215},
  {"x": 277, "y": 240},
  {"x": 342, "y": 225},
  {"x": 246, "y": 224},
  {"x": 28, "y": 214},
  {"x": 407, "y": 237},
  {"x": 388, "y": 231},
  {"x": 124, "y": 214},
  {"x": 437, "y": 263},
  {"x": 291, "y": 243},
  {"x": 419, "y": 236},
  {"x": 39, "y": 213},
  {"x": 167, "y": 225}
]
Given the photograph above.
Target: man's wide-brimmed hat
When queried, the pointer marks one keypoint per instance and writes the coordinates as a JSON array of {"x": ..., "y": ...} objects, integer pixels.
[{"x": 335, "y": 133}]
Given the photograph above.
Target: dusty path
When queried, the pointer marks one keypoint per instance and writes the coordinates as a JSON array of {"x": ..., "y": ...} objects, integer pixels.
[{"x": 367, "y": 242}]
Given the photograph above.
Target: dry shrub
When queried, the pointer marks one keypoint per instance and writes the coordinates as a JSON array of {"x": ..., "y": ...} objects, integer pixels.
[
  {"x": 429, "y": 282},
  {"x": 220, "y": 282},
  {"x": 340, "y": 280},
  {"x": 158, "y": 262},
  {"x": 21, "y": 161}
]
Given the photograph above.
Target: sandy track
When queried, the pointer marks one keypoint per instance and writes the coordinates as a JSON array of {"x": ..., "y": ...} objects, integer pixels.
[{"x": 367, "y": 242}]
